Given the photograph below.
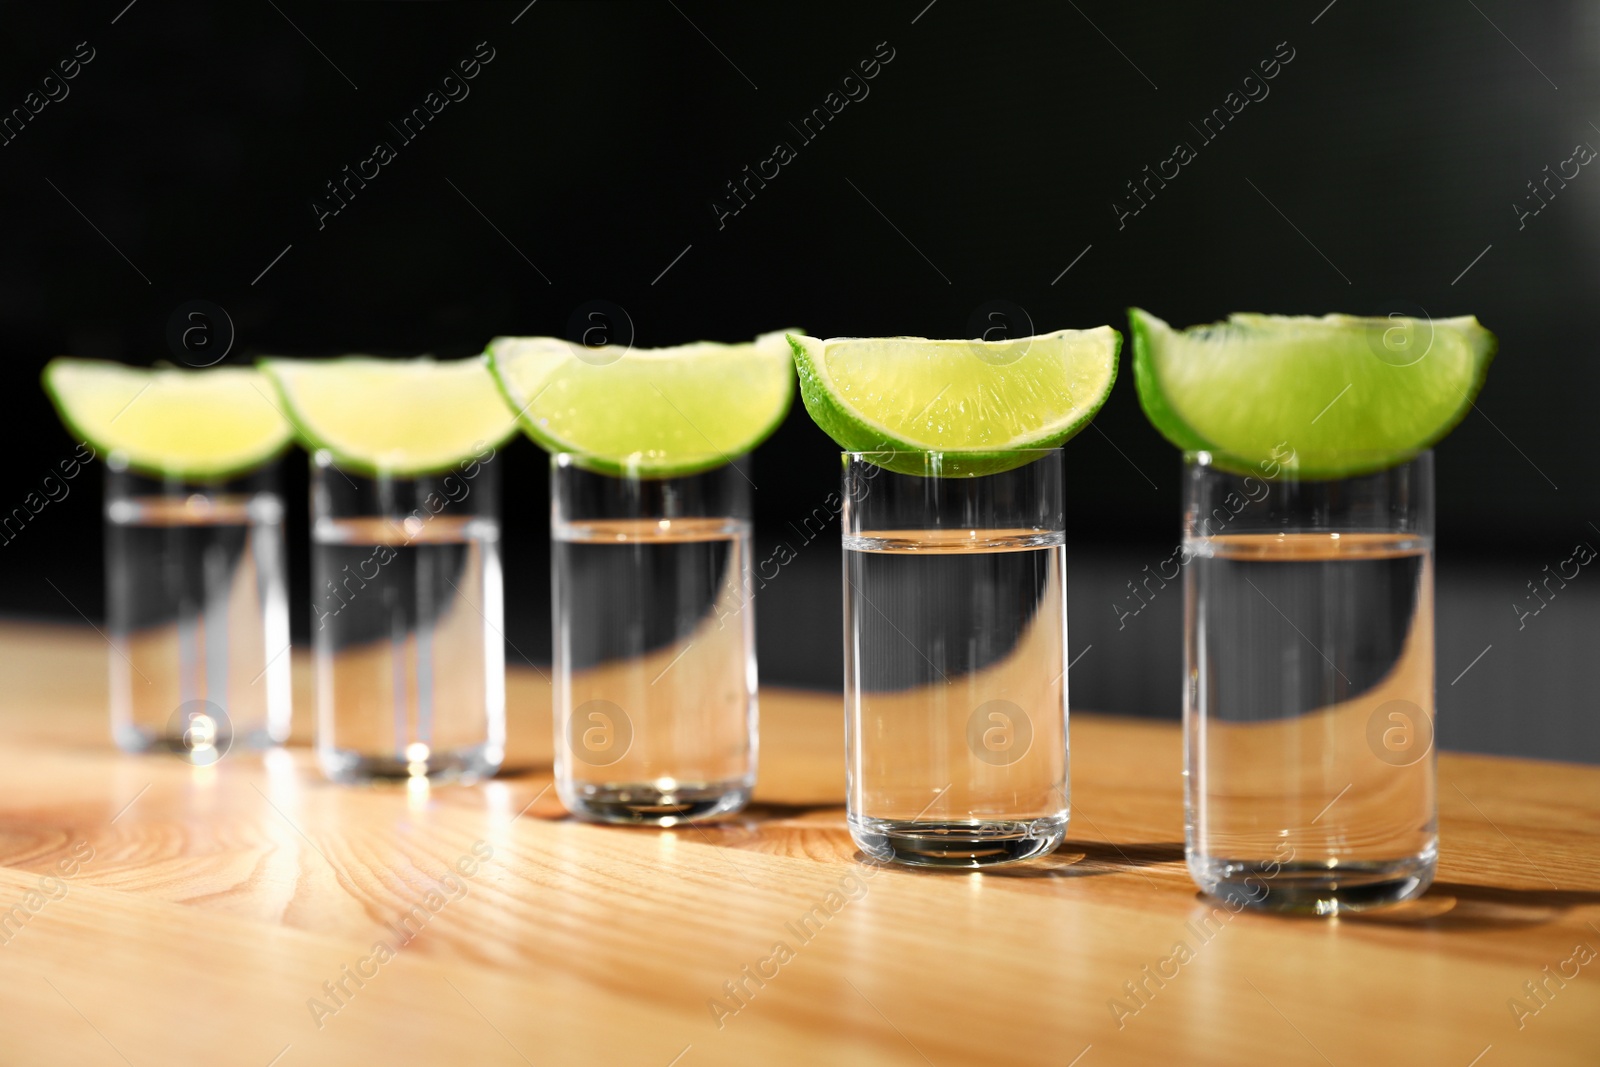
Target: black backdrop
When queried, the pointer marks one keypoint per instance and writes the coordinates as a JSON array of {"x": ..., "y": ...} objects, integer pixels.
[{"x": 1384, "y": 166}]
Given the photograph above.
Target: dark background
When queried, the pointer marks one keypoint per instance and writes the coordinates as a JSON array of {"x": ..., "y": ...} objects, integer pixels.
[{"x": 1379, "y": 175}]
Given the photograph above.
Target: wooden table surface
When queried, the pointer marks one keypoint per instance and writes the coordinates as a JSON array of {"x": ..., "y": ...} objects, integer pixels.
[{"x": 206, "y": 908}]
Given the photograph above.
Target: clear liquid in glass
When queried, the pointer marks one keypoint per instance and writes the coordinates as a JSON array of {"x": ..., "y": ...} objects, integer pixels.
[
  {"x": 655, "y": 681},
  {"x": 410, "y": 658},
  {"x": 198, "y": 621},
  {"x": 956, "y": 694},
  {"x": 1310, "y": 762}
]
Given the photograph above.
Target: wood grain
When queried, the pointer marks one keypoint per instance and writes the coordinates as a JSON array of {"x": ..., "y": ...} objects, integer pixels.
[{"x": 205, "y": 909}]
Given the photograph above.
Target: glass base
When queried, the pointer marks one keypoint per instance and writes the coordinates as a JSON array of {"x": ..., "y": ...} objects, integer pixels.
[
  {"x": 439, "y": 767},
  {"x": 974, "y": 843},
  {"x": 647, "y": 804},
  {"x": 141, "y": 740},
  {"x": 1313, "y": 888}
]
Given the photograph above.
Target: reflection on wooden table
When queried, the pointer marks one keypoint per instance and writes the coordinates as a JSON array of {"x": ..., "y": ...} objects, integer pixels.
[{"x": 250, "y": 913}]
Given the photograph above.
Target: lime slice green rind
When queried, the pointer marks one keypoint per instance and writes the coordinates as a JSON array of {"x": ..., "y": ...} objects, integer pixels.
[
  {"x": 1343, "y": 395},
  {"x": 396, "y": 417},
  {"x": 199, "y": 425},
  {"x": 647, "y": 413},
  {"x": 955, "y": 408}
]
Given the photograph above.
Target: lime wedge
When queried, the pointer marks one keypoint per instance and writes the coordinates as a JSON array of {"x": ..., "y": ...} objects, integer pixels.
[
  {"x": 196, "y": 424},
  {"x": 974, "y": 402},
  {"x": 392, "y": 416},
  {"x": 1344, "y": 395},
  {"x": 652, "y": 412}
]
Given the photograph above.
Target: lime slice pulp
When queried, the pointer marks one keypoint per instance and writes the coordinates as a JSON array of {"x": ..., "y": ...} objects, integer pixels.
[
  {"x": 652, "y": 412},
  {"x": 976, "y": 403},
  {"x": 195, "y": 424},
  {"x": 392, "y": 416},
  {"x": 1343, "y": 394}
]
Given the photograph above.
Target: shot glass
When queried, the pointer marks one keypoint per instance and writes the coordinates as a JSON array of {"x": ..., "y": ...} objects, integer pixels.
[
  {"x": 955, "y": 660},
  {"x": 655, "y": 669},
  {"x": 407, "y": 617},
  {"x": 1309, "y": 685},
  {"x": 198, "y": 617}
]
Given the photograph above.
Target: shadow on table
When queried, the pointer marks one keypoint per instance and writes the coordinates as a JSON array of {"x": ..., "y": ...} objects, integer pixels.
[
  {"x": 1445, "y": 906},
  {"x": 1464, "y": 906}
]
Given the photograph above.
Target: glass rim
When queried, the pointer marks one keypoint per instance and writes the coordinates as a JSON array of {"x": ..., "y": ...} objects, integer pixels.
[
  {"x": 571, "y": 459},
  {"x": 323, "y": 459},
  {"x": 1211, "y": 459},
  {"x": 960, "y": 452},
  {"x": 117, "y": 464}
]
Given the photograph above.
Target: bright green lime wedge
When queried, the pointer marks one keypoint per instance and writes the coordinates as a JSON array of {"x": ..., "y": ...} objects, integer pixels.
[
  {"x": 974, "y": 403},
  {"x": 1343, "y": 394},
  {"x": 392, "y": 416},
  {"x": 652, "y": 412},
  {"x": 195, "y": 424}
]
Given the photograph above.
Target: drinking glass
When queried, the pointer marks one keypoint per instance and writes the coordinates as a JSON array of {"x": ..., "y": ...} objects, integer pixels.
[
  {"x": 1309, "y": 688},
  {"x": 198, "y": 616},
  {"x": 955, "y": 659},
  {"x": 407, "y": 617},
  {"x": 655, "y": 669}
]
